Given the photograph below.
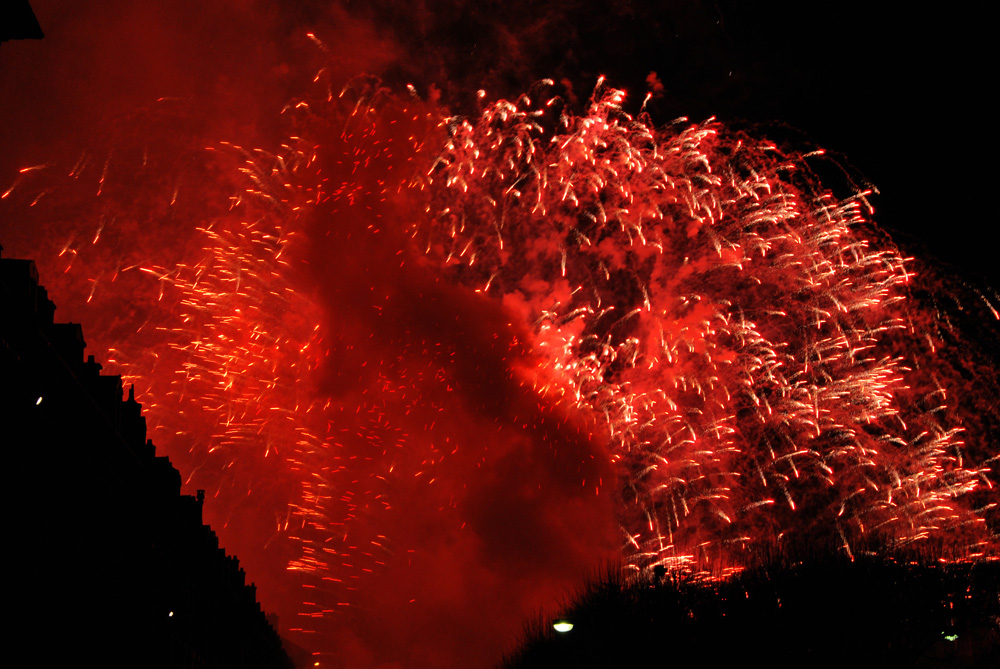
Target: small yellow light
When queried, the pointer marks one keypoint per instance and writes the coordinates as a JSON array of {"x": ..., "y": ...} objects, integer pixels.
[
  {"x": 38, "y": 401},
  {"x": 562, "y": 625}
]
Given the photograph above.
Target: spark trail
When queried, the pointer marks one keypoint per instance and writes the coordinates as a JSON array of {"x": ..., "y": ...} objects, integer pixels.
[
  {"x": 384, "y": 345},
  {"x": 737, "y": 327}
]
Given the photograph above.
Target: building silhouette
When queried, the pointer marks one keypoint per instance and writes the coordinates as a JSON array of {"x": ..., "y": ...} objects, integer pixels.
[
  {"x": 17, "y": 21},
  {"x": 109, "y": 562}
]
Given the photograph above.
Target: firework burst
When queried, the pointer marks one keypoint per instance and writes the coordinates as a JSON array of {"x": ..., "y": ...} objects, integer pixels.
[
  {"x": 681, "y": 322},
  {"x": 739, "y": 329}
]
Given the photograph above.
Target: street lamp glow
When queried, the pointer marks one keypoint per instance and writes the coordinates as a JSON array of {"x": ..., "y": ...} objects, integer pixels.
[{"x": 562, "y": 625}]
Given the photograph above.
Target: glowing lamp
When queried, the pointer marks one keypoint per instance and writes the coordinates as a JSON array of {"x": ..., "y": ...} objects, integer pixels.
[{"x": 562, "y": 625}]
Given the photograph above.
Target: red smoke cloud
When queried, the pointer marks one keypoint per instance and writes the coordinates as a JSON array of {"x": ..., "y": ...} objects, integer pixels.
[{"x": 419, "y": 372}]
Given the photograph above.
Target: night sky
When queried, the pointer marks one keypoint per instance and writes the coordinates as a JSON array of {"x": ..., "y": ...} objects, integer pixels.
[{"x": 897, "y": 99}]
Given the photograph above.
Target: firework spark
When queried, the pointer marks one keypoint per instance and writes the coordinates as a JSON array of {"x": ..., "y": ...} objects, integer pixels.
[
  {"x": 386, "y": 343},
  {"x": 746, "y": 341}
]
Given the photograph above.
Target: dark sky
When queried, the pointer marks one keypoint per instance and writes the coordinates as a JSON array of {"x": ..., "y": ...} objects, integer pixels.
[{"x": 896, "y": 98}]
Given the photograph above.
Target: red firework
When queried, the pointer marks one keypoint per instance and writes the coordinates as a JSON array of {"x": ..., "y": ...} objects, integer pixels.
[{"x": 356, "y": 340}]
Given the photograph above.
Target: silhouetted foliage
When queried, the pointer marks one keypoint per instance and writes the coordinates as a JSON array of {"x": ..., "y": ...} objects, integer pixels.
[{"x": 792, "y": 609}]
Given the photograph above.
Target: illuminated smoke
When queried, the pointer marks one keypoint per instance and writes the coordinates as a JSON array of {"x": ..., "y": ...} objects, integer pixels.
[
  {"x": 746, "y": 341},
  {"x": 424, "y": 362}
]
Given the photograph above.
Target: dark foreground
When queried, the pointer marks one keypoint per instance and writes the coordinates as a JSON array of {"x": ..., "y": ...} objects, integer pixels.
[{"x": 818, "y": 611}]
